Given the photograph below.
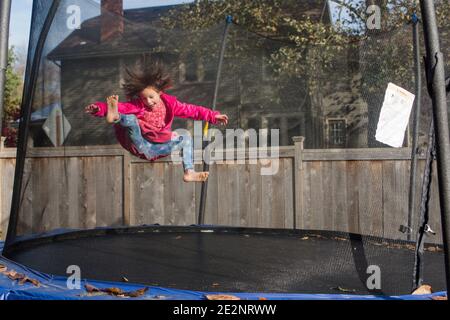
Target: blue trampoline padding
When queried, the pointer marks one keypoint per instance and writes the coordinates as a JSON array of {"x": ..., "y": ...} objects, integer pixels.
[{"x": 54, "y": 288}]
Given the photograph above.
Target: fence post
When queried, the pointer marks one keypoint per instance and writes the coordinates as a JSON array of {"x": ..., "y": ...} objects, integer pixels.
[{"x": 298, "y": 183}]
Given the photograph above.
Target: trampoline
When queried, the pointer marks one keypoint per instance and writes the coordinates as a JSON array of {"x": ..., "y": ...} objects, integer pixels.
[
  {"x": 337, "y": 224},
  {"x": 231, "y": 259}
]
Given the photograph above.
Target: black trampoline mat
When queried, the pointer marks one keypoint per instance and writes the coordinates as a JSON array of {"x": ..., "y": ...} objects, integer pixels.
[{"x": 237, "y": 261}]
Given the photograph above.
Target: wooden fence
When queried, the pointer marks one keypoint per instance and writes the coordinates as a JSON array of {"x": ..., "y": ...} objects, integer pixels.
[{"x": 356, "y": 190}]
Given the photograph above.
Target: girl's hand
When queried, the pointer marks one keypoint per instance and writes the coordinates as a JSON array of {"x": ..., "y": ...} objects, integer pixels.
[
  {"x": 92, "y": 109},
  {"x": 222, "y": 119}
]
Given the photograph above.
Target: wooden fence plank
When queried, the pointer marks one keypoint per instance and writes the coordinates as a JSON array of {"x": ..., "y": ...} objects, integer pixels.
[
  {"x": 316, "y": 214},
  {"x": 255, "y": 195},
  {"x": 213, "y": 196},
  {"x": 435, "y": 212},
  {"x": 25, "y": 219},
  {"x": 307, "y": 210},
  {"x": 326, "y": 210},
  {"x": 54, "y": 170},
  {"x": 370, "y": 188},
  {"x": 74, "y": 192},
  {"x": 278, "y": 209},
  {"x": 88, "y": 214},
  {"x": 395, "y": 198},
  {"x": 339, "y": 209},
  {"x": 352, "y": 192},
  {"x": 267, "y": 198},
  {"x": 184, "y": 197},
  {"x": 169, "y": 200},
  {"x": 243, "y": 194},
  {"x": 126, "y": 185},
  {"x": 225, "y": 195},
  {"x": 7, "y": 167},
  {"x": 288, "y": 194}
]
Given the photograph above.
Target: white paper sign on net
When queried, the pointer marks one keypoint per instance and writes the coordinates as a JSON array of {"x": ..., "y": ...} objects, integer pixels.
[{"x": 394, "y": 116}]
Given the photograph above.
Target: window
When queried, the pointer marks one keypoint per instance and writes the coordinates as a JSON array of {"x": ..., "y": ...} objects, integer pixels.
[
  {"x": 337, "y": 133},
  {"x": 194, "y": 69}
]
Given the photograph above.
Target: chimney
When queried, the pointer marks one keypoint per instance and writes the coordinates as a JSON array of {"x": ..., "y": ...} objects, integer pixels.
[{"x": 112, "y": 21}]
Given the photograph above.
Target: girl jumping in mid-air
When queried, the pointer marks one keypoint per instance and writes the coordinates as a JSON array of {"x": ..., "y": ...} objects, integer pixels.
[{"x": 143, "y": 124}]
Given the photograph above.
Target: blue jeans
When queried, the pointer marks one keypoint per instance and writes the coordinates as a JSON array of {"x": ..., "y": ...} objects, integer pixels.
[{"x": 154, "y": 150}]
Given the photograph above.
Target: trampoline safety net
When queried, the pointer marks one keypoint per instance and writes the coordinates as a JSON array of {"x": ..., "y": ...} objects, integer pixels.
[{"x": 301, "y": 196}]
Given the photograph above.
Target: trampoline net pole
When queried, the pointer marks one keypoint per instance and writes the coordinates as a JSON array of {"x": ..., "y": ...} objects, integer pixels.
[
  {"x": 416, "y": 128},
  {"x": 435, "y": 61},
  {"x": 202, "y": 208},
  {"x": 424, "y": 210}
]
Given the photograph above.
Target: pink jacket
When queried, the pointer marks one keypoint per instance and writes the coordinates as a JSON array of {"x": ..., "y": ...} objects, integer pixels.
[{"x": 174, "y": 108}]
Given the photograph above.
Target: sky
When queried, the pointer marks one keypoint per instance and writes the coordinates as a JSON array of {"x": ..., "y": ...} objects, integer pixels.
[{"x": 21, "y": 17}]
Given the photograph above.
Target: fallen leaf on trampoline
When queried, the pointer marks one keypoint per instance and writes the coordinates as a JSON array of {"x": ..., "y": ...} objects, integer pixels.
[
  {"x": 125, "y": 279},
  {"x": 137, "y": 293},
  {"x": 221, "y": 297},
  {"x": 215, "y": 284},
  {"x": 304, "y": 238},
  {"x": 13, "y": 275},
  {"x": 424, "y": 289},
  {"x": 35, "y": 282},
  {"x": 344, "y": 289},
  {"x": 23, "y": 280},
  {"x": 339, "y": 239},
  {"x": 262, "y": 298},
  {"x": 113, "y": 291},
  {"x": 91, "y": 289},
  {"x": 178, "y": 238},
  {"x": 439, "y": 298}
]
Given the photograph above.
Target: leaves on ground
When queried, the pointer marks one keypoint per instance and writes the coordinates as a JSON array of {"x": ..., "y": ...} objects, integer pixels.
[
  {"x": 221, "y": 297},
  {"x": 439, "y": 298},
  {"x": 424, "y": 289},
  {"x": 20, "y": 277},
  {"x": 117, "y": 292}
]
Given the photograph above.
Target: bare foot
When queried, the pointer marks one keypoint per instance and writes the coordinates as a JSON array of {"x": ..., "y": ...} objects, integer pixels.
[
  {"x": 192, "y": 176},
  {"x": 113, "y": 109}
]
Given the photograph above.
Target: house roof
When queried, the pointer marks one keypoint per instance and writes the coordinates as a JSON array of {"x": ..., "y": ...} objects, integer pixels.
[{"x": 140, "y": 26}]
